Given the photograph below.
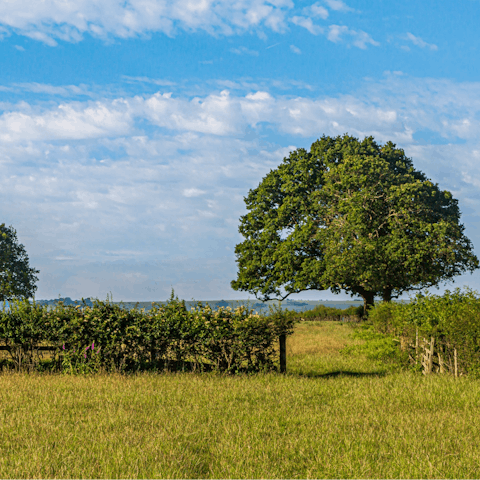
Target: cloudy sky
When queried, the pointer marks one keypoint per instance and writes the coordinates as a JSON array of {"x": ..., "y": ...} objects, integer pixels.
[{"x": 131, "y": 130}]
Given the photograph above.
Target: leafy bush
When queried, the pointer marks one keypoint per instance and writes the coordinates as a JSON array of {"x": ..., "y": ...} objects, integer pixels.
[
  {"x": 108, "y": 337},
  {"x": 453, "y": 320},
  {"x": 324, "y": 313},
  {"x": 22, "y": 336}
]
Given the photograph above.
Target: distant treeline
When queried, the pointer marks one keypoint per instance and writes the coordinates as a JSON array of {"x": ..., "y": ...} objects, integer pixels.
[
  {"x": 259, "y": 307},
  {"x": 324, "y": 313}
]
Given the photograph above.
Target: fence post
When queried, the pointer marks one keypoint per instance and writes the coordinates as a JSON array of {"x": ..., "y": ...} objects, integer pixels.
[
  {"x": 430, "y": 360},
  {"x": 455, "y": 362},
  {"x": 283, "y": 353},
  {"x": 416, "y": 346},
  {"x": 427, "y": 361}
]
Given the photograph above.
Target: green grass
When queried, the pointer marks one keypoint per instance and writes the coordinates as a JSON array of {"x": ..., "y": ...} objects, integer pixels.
[{"x": 331, "y": 416}]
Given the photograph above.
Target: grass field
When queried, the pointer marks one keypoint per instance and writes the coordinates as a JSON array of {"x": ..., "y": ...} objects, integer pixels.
[{"x": 331, "y": 416}]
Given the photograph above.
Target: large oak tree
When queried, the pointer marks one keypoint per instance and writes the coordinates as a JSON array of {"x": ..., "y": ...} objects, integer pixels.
[{"x": 349, "y": 215}]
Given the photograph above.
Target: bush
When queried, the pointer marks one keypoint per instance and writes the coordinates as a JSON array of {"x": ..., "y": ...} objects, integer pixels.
[
  {"x": 22, "y": 337},
  {"x": 324, "y": 313},
  {"x": 452, "y": 320},
  {"x": 106, "y": 336}
]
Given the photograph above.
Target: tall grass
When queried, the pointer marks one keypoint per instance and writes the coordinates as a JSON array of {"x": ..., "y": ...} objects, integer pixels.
[{"x": 330, "y": 416}]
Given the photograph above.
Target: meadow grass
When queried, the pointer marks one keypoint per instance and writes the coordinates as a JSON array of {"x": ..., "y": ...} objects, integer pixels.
[{"x": 330, "y": 416}]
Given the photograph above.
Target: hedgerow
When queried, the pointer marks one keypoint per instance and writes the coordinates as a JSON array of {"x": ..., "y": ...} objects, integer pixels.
[
  {"x": 108, "y": 337},
  {"x": 451, "y": 323},
  {"x": 324, "y": 313}
]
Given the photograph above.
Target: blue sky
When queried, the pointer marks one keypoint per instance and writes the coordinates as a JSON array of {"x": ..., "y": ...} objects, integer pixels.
[{"x": 130, "y": 131}]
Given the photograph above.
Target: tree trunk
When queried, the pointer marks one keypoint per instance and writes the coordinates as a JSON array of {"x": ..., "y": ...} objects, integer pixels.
[
  {"x": 368, "y": 302},
  {"x": 387, "y": 295},
  {"x": 368, "y": 298}
]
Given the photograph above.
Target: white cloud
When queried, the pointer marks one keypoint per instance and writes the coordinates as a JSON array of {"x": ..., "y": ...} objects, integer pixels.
[
  {"x": 67, "y": 90},
  {"x": 41, "y": 37},
  {"x": 433, "y": 107},
  {"x": 155, "y": 81},
  {"x": 360, "y": 39},
  {"x": 316, "y": 10},
  {"x": 335, "y": 32},
  {"x": 214, "y": 114},
  {"x": 52, "y": 20},
  {"x": 72, "y": 121},
  {"x": 338, "y": 5},
  {"x": 307, "y": 23},
  {"x": 226, "y": 114},
  {"x": 295, "y": 49},
  {"x": 419, "y": 42},
  {"x": 244, "y": 51},
  {"x": 169, "y": 181},
  {"x": 469, "y": 178},
  {"x": 193, "y": 192}
]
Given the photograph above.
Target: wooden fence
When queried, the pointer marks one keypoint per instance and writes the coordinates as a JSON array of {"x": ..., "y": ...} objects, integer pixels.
[
  {"x": 182, "y": 365},
  {"x": 432, "y": 357}
]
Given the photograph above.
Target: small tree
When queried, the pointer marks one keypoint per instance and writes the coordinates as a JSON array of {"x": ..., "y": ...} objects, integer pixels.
[
  {"x": 353, "y": 216},
  {"x": 16, "y": 278}
]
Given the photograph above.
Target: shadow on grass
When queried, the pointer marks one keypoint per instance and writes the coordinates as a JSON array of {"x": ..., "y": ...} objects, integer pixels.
[{"x": 340, "y": 373}]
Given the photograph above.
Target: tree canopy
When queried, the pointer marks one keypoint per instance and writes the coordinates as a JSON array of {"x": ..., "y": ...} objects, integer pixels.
[
  {"x": 17, "y": 279},
  {"x": 349, "y": 215}
]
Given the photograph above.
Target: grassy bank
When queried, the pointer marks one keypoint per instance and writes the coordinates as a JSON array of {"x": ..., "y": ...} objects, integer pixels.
[{"x": 331, "y": 416}]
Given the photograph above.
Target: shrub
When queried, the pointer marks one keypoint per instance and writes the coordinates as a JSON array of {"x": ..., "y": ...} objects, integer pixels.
[
  {"x": 324, "y": 313},
  {"x": 22, "y": 337},
  {"x": 108, "y": 337},
  {"x": 452, "y": 320}
]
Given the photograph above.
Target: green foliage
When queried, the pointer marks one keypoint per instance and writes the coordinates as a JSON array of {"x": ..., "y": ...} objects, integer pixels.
[
  {"x": 22, "y": 335},
  {"x": 376, "y": 346},
  {"x": 324, "y": 313},
  {"x": 453, "y": 320},
  {"x": 108, "y": 337},
  {"x": 17, "y": 279},
  {"x": 81, "y": 361},
  {"x": 349, "y": 215}
]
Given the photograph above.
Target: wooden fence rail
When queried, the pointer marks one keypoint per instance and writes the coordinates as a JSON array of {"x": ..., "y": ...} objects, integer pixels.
[
  {"x": 282, "y": 341},
  {"x": 431, "y": 356},
  {"x": 41, "y": 348}
]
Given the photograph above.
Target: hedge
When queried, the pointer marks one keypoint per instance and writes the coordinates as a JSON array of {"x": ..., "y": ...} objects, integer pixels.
[
  {"x": 442, "y": 328},
  {"x": 108, "y": 337},
  {"x": 324, "y": 313}
]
